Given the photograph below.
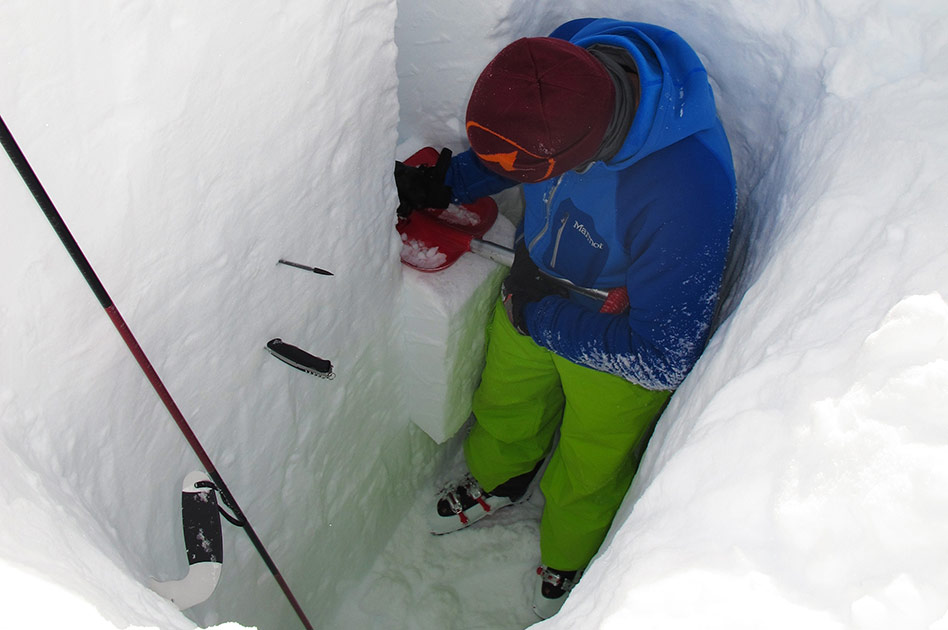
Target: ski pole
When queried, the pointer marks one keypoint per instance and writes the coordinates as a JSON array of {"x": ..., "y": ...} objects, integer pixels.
[{"x": 52, "y": 215}]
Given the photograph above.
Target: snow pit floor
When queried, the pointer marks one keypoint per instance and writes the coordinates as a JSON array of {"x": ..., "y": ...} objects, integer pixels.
[{"x": 478, "y": 578}]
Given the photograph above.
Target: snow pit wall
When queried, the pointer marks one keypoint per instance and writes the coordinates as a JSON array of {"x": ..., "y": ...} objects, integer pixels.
[{"x": 189, "y": 148}]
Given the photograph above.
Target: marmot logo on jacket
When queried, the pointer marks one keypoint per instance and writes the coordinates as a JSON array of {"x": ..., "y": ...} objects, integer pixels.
[{"x": 579, "y": 227}]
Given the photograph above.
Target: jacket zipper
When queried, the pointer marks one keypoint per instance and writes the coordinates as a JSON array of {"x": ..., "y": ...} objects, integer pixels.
[
  {"x": 556, "y": 243},
  {"x": 549, "y": 206}
]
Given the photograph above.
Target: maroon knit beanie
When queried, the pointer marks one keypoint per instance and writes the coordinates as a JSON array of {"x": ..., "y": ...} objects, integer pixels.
[{"x": 540, "y": 108}]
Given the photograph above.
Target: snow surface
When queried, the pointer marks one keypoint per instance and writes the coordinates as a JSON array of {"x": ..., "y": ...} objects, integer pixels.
[{"x": 797, "y": 479}]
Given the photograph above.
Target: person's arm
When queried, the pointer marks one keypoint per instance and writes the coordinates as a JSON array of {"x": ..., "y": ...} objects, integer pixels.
[
  {"x": 654, "y": 344},
  {"x": 470, "y": 180}
]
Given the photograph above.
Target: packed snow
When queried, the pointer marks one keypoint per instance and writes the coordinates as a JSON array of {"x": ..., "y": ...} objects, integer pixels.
[
  {"x": 459, "y": 215},
  {"x": 444, "y": 316},
  {"x": 421, "y": 255},
  {"x": 799, "y": 477}
]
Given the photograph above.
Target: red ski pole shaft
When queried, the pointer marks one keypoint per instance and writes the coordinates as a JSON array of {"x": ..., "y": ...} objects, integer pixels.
[{"x": 75, "y": 252}]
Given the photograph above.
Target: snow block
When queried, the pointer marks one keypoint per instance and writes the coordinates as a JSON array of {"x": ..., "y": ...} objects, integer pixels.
[{"x": 444, "y": 319}]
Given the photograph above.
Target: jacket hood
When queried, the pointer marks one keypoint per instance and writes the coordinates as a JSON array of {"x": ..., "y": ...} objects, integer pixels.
[{"x": 675, "y": 100}]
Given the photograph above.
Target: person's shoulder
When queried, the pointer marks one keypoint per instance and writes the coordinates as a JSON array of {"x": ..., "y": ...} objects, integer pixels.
[
  {"x": 686, "y": 183},
  {"x": 703, "y": 155}
]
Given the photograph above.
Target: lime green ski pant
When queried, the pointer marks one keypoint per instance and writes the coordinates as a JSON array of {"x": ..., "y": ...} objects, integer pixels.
[{"x": 526, "y": 394}]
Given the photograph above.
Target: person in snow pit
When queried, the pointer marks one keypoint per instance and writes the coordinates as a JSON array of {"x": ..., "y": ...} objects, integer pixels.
[{"x": 628, "y": 183}]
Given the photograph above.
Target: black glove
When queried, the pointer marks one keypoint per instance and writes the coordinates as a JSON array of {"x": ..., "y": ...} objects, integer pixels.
[
  {"x": 422, "y": 186},
  {"x": 525, "y": 284}
]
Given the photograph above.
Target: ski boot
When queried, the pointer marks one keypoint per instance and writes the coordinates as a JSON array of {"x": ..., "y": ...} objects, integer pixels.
[
  {"x": 553, "y": 586},
  {"x": 464, "y": 502}
]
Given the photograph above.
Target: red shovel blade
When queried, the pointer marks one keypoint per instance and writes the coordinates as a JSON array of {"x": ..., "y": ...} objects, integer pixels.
[
  {"x": 423, "y": 157},
  {"x": 430, "y": 245},
  {"x": 434, "y": 238},
  {"x": 474, "y": 218}
]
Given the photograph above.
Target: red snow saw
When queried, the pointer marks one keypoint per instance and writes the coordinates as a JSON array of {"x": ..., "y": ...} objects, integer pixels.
[{"x": 433, "y": 239}]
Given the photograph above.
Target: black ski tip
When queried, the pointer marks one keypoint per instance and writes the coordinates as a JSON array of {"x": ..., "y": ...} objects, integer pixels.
[
  {"x": 201, "y": 518},
  {"x": 300, "y": 359}
]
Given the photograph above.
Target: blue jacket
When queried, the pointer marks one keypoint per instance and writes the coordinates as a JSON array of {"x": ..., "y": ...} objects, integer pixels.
[{"x": 656, "y": 218}]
